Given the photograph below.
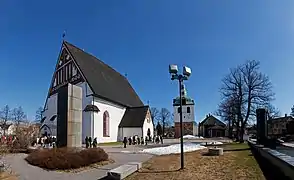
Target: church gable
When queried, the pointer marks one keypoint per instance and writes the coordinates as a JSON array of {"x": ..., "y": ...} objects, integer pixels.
[{"x": 66, "y": 72}]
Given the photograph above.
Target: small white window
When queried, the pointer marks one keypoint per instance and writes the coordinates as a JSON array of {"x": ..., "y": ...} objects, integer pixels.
[
  {"x": 54, "y": 84},
  {"x": 74, "y": 70}
]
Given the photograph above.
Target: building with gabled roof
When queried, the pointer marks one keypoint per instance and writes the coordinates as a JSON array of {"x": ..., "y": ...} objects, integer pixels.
[
  {"x": 212, "y": 127},
  {"x": 111, "y": 107}
]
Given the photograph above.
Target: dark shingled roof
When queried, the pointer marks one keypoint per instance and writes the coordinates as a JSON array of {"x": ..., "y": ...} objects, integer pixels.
[
  {"x": 211, "y": 121},
  {"x": 104, "y": 81},
  {"x": 134, "y": 117}
]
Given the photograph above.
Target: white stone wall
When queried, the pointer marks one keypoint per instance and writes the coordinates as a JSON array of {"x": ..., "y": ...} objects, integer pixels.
[
  {"x": 116, "y": 113},
  {"x": 129, "y": 131},
  {"x": 87, "y": 116},
  {"x": 187, "y": 117},
  {"x": 51, "y": 109}
]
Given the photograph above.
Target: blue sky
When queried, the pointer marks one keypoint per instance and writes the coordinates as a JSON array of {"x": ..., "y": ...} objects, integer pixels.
[{"x": 141, "y": 38}]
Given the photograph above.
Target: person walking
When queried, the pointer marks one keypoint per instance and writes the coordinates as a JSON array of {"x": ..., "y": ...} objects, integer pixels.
[
  {"x": 125, "y": 141},
  {"x": 87, "y": 142}
]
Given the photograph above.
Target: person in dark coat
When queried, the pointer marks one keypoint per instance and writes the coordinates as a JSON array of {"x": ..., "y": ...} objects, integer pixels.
[
  {"x": 161, "y": 139},
  {"x": 157, "y": 139},
  {"x": 146, "y": 139},
  {"x": 125, "y": 141},
  {"x": 142, "y": 141},
  {"x": 134, "y": 140},
  {"x": 138, "y": 140},
  {"x": 95, "y": 143},
  {"x": 130, "y": 141},
  {"x": 87, "y": 142},
  {"x": 90, "y": 142}
]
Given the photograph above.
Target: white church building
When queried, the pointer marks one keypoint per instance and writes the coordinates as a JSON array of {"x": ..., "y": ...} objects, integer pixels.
[{"x": 112, "y": 109}]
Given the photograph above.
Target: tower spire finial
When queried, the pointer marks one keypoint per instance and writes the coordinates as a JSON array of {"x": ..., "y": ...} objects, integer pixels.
[
  {"x": 63, "y": 35},
  {"x": 183, "y": 90}
]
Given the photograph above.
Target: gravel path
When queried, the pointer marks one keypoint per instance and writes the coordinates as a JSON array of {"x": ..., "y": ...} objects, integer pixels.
[{"x": 28, "y": 172}]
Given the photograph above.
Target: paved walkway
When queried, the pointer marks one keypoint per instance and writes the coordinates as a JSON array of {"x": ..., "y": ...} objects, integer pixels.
[
  {"x": 117, "y": 153},
  {"x": 28, "y": 172}
]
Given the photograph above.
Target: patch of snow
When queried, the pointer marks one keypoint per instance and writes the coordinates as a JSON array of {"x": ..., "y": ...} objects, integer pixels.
[
  {"x": 173, "y": 149},
  {"x": 192, "y": 137},
  {"x": 289, "y": 144},
  {"x": 211, "y": 143}
]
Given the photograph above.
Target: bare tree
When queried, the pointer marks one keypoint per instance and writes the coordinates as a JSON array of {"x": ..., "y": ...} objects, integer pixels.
[
  {"x": 164, "y": 117},
  {"x": 4, "y": 118},
  {"x": 18, "y": 116},
  {"x": 292, "y": 111},
  {"x": 248, "y": 89},
  {"x": 154, "y": 114},
  {"x": 273, "y": 112},
  {"x": 38, "y": 116}
]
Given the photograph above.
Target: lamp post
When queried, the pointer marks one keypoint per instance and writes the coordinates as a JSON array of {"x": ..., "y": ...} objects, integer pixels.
[{"x": 173, "y": 70}]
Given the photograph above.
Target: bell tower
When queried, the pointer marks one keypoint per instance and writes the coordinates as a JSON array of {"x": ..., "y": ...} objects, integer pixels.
[{"x": 188, "y": 112}]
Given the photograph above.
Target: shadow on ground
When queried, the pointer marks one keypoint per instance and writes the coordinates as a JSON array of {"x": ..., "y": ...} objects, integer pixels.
[{"x": 270, "y": 172}]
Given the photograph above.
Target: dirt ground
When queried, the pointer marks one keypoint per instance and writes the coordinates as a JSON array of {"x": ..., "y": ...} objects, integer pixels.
[
  {"x": 237, "y": 163},
  {"x": 7, "y": 176}
]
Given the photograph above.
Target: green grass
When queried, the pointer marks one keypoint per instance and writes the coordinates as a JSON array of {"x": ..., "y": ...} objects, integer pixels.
[
  {"x": 244, "y": 159},
  {"x": 237, "y": 163},
  {"x": 110, "y": 144}
]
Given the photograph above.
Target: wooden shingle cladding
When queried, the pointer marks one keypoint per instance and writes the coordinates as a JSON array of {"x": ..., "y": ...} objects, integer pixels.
[{"x": 104, "y": 81}]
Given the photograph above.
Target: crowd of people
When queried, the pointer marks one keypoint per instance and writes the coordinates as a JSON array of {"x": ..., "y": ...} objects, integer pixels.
[
  {"x": 136, "y": 140},
  {"x": 89, "y": 143},
  {"x": 45, "y": 141},
  {"x": 7, "y": 139}
]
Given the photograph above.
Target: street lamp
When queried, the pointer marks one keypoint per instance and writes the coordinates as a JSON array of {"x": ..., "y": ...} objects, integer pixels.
[{"x": 173, "y": 70}]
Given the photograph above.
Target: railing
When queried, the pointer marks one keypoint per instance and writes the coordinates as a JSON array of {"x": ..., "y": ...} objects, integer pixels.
[{"x": 278, "y": 161}]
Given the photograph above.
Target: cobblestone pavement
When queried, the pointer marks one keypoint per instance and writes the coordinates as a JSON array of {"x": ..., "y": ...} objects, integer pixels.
[{"x": 27, "y": 172}]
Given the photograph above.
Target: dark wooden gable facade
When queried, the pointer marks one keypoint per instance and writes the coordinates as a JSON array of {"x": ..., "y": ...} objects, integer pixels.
[{"x": 66, "y": 72}]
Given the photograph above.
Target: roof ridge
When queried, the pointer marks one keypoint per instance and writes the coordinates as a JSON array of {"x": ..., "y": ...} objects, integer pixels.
[
  {"x": 138, "y": 107},
  {"x": 66, "y": 42}
]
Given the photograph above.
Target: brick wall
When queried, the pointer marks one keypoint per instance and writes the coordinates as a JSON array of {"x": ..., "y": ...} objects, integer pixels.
[{"x": 187, "y": 129}]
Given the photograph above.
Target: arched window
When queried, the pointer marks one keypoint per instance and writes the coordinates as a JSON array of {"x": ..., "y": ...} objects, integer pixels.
[{"x": 105, "y": 124}]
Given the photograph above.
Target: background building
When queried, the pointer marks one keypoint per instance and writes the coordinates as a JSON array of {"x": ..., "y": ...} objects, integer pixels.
[{"x": 188, "y": 105}]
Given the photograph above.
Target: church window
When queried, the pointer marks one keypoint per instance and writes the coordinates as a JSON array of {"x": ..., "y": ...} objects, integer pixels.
[
  {"x": 106, "y": 124},
  {"x": 74, "y": 70},
  {"x": 54, "y": 84},
  {"x": 188, "y": 110},
  {"x": 179, "y": 110},
  {"x": 69, "y": 70}
]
